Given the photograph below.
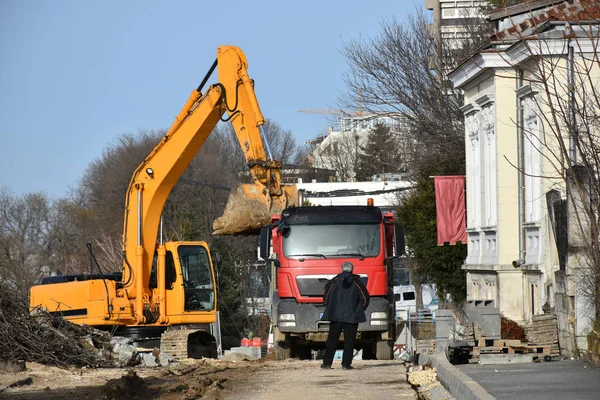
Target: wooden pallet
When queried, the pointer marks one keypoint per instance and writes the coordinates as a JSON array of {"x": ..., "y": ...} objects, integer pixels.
[
  {"x": 521, "y": 349},
  {"x": 483, "y": 342}
]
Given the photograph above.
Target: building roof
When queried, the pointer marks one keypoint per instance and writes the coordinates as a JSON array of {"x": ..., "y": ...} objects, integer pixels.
[
  {"x": 526, "y": 7},
  {"x": 535, "y": 24},
  {"x": 573, "y": 12}
]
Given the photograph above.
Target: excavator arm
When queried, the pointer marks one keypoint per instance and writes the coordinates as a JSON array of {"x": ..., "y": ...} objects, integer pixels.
[{"x": 250, "y": 206}]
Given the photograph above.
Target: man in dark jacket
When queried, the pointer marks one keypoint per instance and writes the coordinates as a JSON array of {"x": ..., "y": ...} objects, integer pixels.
[{"x": 346, "y": 299}]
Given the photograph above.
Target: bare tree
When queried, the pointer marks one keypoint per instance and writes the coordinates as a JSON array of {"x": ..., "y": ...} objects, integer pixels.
[
  {"x": 402, "y": 73},
  {"x": 281, "y": 142},
  {"x": 339, "y": 151},
  {"x": 68, "y": 237},
  {"x": 104, "y": 184},
  {"x": 24, "y": 237}
]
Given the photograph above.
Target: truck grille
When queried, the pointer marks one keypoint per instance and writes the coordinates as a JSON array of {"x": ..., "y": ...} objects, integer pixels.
[{"x": 314, "y": 286}]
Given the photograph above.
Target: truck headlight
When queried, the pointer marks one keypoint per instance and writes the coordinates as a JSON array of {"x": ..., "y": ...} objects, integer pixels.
[
  {"x": 287, "y": 323},
  {"x": 287, "y": 317},
  {"x": 378, "y": 322},
  {"x": 379, "y": 315}
]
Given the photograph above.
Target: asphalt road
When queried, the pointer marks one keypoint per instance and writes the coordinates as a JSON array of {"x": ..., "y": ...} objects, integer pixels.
[{"x": 560, "y": 380}]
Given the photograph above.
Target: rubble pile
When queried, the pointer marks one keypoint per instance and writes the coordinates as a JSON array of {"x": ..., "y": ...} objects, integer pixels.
[
  {"x": 38, "y": 336},
  {"x": 423, "y": 378},
  {"x": 422, "y": 375}
]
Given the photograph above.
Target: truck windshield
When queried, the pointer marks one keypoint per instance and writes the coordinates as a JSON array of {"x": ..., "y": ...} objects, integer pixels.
[
  {"x": 197, "y": 278},
  {"x": 342, "y": 240}
]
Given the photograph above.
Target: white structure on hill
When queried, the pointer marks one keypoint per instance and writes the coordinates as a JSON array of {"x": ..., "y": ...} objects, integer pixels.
[
  {"x": 384, "y": 194},
  {"x": 340, "y": 148}
]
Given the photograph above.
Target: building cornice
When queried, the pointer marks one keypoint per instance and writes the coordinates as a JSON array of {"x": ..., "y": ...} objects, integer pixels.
[
  {"x": 478, "y": 64},
  {"x": 531, "y": 268},
  {"x": 525, "y": 91},
  {"x": 469, "y": 108},
  {"x": 484, "y": 100}
]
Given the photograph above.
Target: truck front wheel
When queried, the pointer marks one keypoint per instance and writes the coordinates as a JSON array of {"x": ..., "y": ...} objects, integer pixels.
[
  {"x": 368, "y": 352},
  {"x": 385, "y": 350},
  {"x": 283, "y": 350}
]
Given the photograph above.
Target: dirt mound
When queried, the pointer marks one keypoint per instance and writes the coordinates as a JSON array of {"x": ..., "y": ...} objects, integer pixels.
[
  {"x": 129, "y": 386},
  {"x": 189, "y": 379}
]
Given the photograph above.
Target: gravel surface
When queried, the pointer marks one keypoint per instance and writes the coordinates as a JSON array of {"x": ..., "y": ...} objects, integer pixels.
[{"x": 294, "y": 379}]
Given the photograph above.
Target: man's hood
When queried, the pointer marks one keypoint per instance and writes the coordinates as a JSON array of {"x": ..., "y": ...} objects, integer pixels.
[{"x": 347, "y": 278}]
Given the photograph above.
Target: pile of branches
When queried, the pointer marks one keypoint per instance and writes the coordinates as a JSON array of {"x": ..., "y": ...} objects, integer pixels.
[
  {"x": 38, "y": 336},
  {"x": 509, "y": 329}
]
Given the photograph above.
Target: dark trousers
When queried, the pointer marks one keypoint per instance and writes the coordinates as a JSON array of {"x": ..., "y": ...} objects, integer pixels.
[{"x": 335, "y": 329}]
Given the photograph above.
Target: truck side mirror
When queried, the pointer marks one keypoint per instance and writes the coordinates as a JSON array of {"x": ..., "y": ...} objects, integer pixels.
[
  {"x": 399, "y": 244},
  {"x": 265, "y": 242}
]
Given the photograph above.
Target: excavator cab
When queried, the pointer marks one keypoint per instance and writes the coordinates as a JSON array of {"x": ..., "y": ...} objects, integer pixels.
[{"x": 197, "y": 278}]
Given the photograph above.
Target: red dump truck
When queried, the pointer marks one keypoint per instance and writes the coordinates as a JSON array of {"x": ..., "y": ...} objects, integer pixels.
[{"x": 305, "y": 247}]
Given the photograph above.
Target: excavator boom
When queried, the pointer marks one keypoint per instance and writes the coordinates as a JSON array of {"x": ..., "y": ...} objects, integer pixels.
[{"x": 249, "y": 207}]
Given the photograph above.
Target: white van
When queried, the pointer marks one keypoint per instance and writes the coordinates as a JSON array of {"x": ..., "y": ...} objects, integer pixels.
[{"x": 406, "y": 300}]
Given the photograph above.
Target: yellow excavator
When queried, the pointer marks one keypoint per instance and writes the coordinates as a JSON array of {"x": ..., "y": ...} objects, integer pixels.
[{"x": 166, "y": 291}]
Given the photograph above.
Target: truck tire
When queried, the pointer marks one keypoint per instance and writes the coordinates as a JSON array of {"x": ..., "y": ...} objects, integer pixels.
[
  {"x": 283, "y": 350},
  {"x": 368, "y": 352},
  {"x": 300, "y": 352},
  {"x": 385, "y": 350}
]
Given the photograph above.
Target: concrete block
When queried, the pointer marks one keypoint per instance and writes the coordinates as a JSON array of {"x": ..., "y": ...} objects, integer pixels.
[
  {"x": 250, "y": 352},
  {"x": 486, "y": 359},
  {"x": 459, "y": 384},
  {"x": 487, "y": 318}
]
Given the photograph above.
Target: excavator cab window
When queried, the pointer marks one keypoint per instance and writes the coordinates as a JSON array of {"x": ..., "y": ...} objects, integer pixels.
[
  {"x": 197, "y": 278},
  {"x": 170, "y": 273}
]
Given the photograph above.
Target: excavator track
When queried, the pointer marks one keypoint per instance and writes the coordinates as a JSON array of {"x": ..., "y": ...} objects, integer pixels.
[{"x": 188, "y": 343}]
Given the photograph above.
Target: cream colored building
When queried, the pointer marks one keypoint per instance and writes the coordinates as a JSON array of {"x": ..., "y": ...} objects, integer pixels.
[{"x": 514, "y": 192}]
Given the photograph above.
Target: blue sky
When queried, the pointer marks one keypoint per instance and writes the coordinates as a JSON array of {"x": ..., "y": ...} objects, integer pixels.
[{"x": 74, "y": 75}]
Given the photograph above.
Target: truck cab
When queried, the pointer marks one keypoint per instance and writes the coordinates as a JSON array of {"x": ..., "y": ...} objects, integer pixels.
[{"x": 309, "y": 245}]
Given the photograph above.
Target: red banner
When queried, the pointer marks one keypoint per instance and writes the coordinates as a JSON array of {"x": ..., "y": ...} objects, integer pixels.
[{"x": 450, "y": 209}]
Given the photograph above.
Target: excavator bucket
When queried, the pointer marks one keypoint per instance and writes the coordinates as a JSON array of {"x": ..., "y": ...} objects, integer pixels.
[{"x": 250, "y": 207}]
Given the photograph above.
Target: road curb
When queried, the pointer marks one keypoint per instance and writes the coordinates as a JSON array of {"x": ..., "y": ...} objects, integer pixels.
[{"x": 459, "y": 384}]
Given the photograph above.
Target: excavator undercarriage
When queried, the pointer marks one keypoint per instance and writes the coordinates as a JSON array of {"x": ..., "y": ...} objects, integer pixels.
[{"x": 188, "y": 343}]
